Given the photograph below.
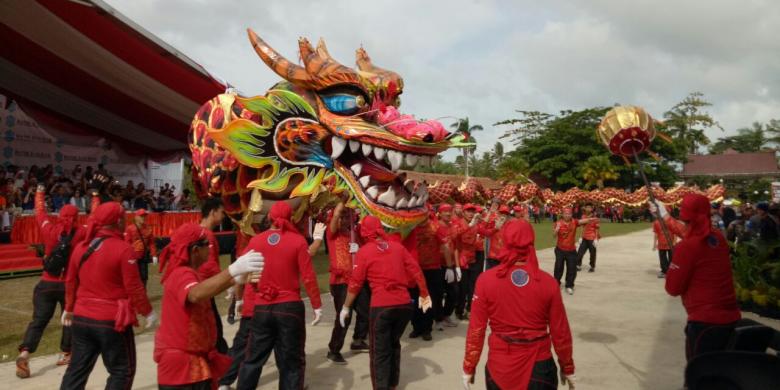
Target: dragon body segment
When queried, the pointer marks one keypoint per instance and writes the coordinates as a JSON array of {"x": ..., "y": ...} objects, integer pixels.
[{"x": 327, "y": 129}]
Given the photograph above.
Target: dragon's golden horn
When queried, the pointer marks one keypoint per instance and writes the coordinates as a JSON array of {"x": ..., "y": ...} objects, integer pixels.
[
  {"x": 280, "y": 65},
  {"x": 322, "y": 50},
  {"x": 305, "y": 49},
  {"x": 363, "y": 60}
]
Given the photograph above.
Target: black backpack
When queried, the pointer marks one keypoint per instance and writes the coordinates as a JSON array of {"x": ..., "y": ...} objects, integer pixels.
[{"x": 57, "y": 260}]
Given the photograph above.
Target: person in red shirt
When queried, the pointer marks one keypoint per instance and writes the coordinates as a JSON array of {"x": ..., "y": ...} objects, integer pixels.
[
  {"x": 466, "y": 231},
  {"x": 212, "y": 213},
  {"x": 278, "y": 321},
  {"x": 565, "y": 232},
  {"x": 590, "y": 238},
  {"x": 342, "y": 245},
  {"x": 50, "y": 290},
  {"x": 701, "y": 274},
  {"x": 452, "y": 273},
  {"x": 523, "y": 306},
  {"x": 491, "y": 230},
  {"x": 103, "y": 293},
  {"x": 665, "y": 248},
  {"x": 185, "y": 343},
  {"x": 388, "y": 267},
  {"x": 139, "y": 236}
]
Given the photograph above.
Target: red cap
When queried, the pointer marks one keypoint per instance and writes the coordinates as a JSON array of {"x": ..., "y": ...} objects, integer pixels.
[
  {"x": 140, "y": 212},
  {"x": 517, "y": 208},
  {"x": 444, "y": 207},
  {"x": 469, "y": 206},
  {"x": 504, "y": 209}
]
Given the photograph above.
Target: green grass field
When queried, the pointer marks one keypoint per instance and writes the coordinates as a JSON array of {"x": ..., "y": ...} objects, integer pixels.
[{"x": 16, "y": 304}]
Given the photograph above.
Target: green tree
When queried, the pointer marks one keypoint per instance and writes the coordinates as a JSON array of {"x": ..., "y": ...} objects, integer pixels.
[
  {"x": 530, "y": 125},
  {"x": 747, "y": 140},
  {"x": 598, "y": 169},
  {"x": 498, "y": 153},
  {"x": 514, "y": 168},
  {"x": 773, "y": 131},
  {"x": 462, "y": 126},
  {"x": 688, "y": 120}
]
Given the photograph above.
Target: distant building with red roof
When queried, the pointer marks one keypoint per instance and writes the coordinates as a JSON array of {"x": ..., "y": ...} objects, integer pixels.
[{"x": 732, "y": 164}]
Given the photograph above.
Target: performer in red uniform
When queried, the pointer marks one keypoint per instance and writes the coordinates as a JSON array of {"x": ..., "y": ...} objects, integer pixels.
[
  {"x": 139, "y": 236},
  {"x": 185, "y": 343},
  {"x": 491, "y": 230},
  {"x": 452, "y": 273},
  {"x": 664, "y": 248},
  {"x": 278, "y": 321},
  {"x": 525, "y": 311},
  {"x": 590, "y": 238},
  {"x": 212, "y": 213},
  {"x": 565, "y": 231},
  {"x": 342, "y": 246},
  {"x": 468, "y": 242},
  {"x": 103, "y": 295},
  {"x": 387, "y": 266},
  {"x": 700, "y": 273},
  {"x": 50, "y": 290}
]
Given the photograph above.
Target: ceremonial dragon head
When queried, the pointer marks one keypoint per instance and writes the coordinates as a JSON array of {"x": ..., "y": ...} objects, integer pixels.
[{"x": 327, "y": 128}]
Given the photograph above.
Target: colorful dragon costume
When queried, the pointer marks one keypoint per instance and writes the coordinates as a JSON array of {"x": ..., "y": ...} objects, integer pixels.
[{"x": 326, "y": 129}]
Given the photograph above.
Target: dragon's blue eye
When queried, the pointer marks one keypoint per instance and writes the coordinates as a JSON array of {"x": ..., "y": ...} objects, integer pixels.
[{"x": 343, "y": 104}]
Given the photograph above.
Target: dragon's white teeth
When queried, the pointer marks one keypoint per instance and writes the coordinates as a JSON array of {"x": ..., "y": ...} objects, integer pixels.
[
  {"x": 354, "y": 146},
  {"x": 423, "y": 199},
  {"x": 364, "y": 181},
  {"x": 425, "y": 161},
  {"x": 409, "y": 185},
  {"x": 366, "y": 148},
  {"x": 413, "y": 201},
  {"x": 379, "y": 153},
  {"x": 402, "y": 203},
  {"x": 356, "y": 169},
  {"x": 388, "y": 197},
  {"x": 373, "y": 192},
  {"x": 338, "y": 145},
  {"x": 411, "y": 160},
  {"x": 396, "y": 158}
]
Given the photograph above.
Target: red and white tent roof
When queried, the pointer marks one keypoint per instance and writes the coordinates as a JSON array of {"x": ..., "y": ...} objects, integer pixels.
[{"x": 82, "y": 67}]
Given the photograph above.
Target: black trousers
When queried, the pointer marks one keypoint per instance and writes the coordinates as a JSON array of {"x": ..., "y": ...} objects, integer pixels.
[
  {"x": 222, "y": 346},
  {"x": 92, "y": 338},
  {"x": 569, "y": 260},
  {"x": 475, "y": 270},
  {"x": 665, "y": 258},
  {"x": 587, "y": 245},
  {"x": 387, "y": 326},
  {"x": 237, "y": 351},
  {"x": 203, "y": 385},
  {"x": 279, "y": 328},
  {"x": 543, "y": 377},
  {"x": 463, "y": 291},
  {"x": 143, "y": 270},
  {"x": 452, "y": 293},
  {"x": 422, "y": 323},
  {"x": 701, "y": 338},
  {"x": 339, "y": 333},
  {"x": 46, "y": 297},
  {"x": 490, "y": 263}
]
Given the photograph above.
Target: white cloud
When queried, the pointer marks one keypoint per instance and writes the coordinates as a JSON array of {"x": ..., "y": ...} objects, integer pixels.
[{"x": 485, "y": 59}]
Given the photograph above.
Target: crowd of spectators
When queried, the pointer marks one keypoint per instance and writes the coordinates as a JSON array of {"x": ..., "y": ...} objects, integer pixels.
[
  {"x": 17, "y": 191},
  {"x": 748, "y": 222}
]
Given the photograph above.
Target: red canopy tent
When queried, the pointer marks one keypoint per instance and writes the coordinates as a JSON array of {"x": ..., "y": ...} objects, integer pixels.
[{"x": 82, "y": 67}]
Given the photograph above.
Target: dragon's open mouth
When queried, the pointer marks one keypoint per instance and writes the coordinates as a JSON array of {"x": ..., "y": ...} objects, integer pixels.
[{"x": 374, "y": 171}]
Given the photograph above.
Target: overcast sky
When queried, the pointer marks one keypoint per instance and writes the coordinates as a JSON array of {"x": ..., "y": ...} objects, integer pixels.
[{"x": 485, "y": 59}]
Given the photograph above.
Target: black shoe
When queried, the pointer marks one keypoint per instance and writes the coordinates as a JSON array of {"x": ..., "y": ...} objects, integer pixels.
[
  {"x": 359, "y": 346},
  {"x": 336, "y": 358},
  {"x": 592, "y": 269},
  {"x": 427, "y": 337},
  {"x": 414, "y": 335}
]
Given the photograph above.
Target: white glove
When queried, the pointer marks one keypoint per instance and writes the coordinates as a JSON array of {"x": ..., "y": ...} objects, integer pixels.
[
  {"x": 67, "y": 318},
  {"x": 155, "y": 260},
  {"x": 150, "y": 320},
  {"x": 239, "y": 306},
  {"x": 570, "y": 379},
  {"x": 595, "y": 243},
  {"x": 231, "y": 291},
  {"x": 458, "y": 274},
  {"x": 250, "y": 262},
  {"x": 353, "y": 247},
  {"x": 474, "y": 220},
  {"x": 317, "y": 316},
  {"x": 343, "y": 315},
  {"x": 425, "y": 303},
  {"x": 319, "y": 231},
  {"x": 449, "y": 275},
  {"x": 660, "y": 207},
  {"x": 467, "y": 380}
]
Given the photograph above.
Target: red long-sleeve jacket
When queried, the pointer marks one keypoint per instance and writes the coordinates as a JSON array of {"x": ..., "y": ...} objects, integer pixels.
[
  {"x": 140, "y": 241},
  {"x": 286, "y": 260},
  {"x": 211, "y": 266},
  {"x": 108, "y": 276},
  {"x": 700, "y": 272},
  {"x": 51, "y": 233},
  {"x": 491, "y": 232},
  {"x": 388, "y": 267},
  {"x": 527, "y": 309}
]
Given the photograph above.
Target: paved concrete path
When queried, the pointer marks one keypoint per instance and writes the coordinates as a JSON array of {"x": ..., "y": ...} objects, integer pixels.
[{"x": 628, "y": 334}]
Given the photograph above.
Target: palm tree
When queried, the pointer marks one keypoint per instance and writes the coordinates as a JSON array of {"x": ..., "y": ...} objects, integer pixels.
[
  {"x": 498, "y": 153},
  {"x": 462, "y": 126},
  {"x": 514, "y": 169},
  {"x": 598, "y": 169}
]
